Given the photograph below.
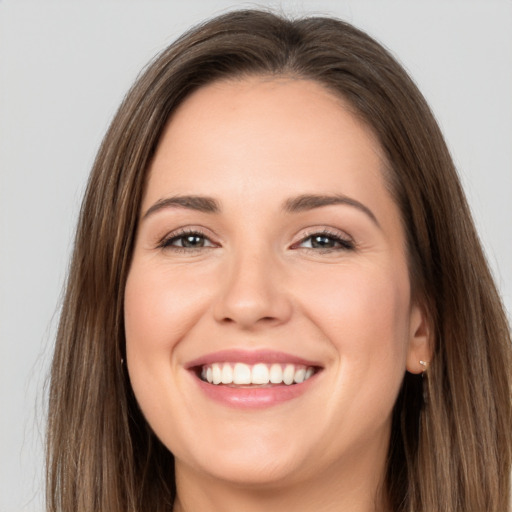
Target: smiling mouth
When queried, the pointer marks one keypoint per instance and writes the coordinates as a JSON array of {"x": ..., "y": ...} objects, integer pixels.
[{"x": 256, "y": 375}]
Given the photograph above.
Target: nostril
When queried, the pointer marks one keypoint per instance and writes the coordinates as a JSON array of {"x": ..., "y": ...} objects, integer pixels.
[{"x": 262, "y": 320}]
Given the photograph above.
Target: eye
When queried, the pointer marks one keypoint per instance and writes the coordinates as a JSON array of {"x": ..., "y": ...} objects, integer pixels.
[
  {"x": 326, "y": 241},
  {"x": 186, "y": 240}
]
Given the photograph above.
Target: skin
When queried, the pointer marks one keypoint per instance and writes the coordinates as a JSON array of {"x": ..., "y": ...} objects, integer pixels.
[{"x": 259, "y": 283}]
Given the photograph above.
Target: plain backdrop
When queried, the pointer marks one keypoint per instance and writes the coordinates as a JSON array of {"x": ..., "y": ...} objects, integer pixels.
[{"x": 64, "y": 68}]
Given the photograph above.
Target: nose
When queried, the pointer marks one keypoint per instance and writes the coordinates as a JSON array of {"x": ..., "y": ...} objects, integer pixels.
[{"x": 253, "y": 293}]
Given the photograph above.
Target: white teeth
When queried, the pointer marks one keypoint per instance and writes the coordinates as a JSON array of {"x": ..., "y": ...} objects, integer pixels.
[
  {"x": 276, "y": 374},
  {"x": 216, "y": 374},
  {"x": 299, "y": 376},
  {"x": 241, "y": 374},
  {"x": 227, "y": 374},
  {"x": 288, "y": 374},
  {"x": 259, "y": 374}
]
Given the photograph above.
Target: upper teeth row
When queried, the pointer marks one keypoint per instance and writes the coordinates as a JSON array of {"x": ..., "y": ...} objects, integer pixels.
[{"x": 240, "y": 373}]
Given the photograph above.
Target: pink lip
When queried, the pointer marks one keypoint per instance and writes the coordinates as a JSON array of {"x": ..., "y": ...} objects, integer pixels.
[
  {"x": 254, "y": 398},
  {"x": 249, "y": 357},
  {"x": 251, "y": 397}
]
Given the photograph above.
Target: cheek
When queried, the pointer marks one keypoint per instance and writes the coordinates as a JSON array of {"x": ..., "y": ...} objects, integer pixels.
[
  {"x": 364, "y": 315},
  {"x": 364, "y": 312},
  {"x": 160, "y": 307}
]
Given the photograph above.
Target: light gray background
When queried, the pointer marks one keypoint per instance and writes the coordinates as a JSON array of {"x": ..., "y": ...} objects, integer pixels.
[{"x": 64, "y": 67}]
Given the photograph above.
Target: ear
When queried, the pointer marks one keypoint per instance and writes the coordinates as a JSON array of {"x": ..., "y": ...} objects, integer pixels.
[{"x": 420, "y": 341}]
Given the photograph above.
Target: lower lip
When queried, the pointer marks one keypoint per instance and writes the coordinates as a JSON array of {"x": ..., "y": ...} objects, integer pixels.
[{"x": 254, "y": 398}]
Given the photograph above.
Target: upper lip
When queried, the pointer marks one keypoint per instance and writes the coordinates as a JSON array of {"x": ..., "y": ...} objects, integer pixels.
[{"x": 250, "y": 357}]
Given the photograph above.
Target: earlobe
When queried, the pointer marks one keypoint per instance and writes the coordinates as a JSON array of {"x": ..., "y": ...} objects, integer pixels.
[{"x": 419, "y": 351}]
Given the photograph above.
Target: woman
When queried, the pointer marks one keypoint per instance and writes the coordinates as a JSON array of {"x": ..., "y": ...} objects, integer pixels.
[{"x": 277, "y": 297}]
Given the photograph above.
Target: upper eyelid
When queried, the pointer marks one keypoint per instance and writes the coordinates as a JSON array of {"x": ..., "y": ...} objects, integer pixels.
[
  {"x": 189, "y": 230},
  {"x": 333, "y": 232}
]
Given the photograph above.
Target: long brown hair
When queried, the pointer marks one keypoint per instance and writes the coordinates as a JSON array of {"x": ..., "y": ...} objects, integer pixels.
[{"x": 450, "y": 448}]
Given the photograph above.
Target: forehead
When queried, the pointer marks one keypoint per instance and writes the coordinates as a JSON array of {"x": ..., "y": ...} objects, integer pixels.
[{"x": 239, "y": 136}]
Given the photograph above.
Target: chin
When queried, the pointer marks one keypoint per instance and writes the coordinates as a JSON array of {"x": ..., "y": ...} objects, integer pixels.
[
  {"x": 248, "y": 463},
  {"x": 259, "y": 473}
]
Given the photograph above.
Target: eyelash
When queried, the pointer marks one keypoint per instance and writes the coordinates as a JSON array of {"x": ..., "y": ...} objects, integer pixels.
[
  {"x": 166, "y": 243},
  {"x": 344, "y": 244}
]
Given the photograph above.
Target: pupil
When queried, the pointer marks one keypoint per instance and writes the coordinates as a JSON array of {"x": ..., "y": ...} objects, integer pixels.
[
  {"x": 322, "y": 241},
  {"x": 192, "y": 241}
]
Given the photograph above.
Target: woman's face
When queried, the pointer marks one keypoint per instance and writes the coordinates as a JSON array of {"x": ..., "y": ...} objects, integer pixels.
[{"x": 268, "y": 307}]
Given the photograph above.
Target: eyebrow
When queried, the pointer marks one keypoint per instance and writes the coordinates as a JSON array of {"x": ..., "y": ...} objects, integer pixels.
[
  {"x": 309, "y": 202},
  {"x": 297, "y": 204},
  {"x": 197, "y": 203}
]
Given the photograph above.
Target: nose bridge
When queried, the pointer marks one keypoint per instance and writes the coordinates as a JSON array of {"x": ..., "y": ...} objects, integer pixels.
[{"x": 253, "y": 291}]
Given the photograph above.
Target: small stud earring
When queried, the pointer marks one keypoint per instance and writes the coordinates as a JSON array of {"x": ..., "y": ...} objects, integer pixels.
[{"x": 425, "y": 365}]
